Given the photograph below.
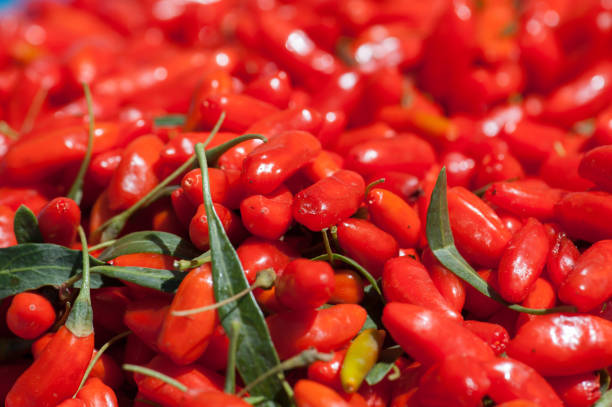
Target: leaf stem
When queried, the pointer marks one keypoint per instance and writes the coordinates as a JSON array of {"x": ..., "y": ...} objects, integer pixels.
[
  {"x": 372, "y": 185},
  {"x": 183, "y": 265},
  {"x": 116, "y": 223},
  {"x": 8, "y": 130},
  {"x": 256, "y": 353},
  {"x": 154, "y": 373},
  {"x": 302, "y": 359},
  {"x": 80, "y": 320},
  {"x": 112, "y": 227},
  {"x": 357, "y": 266},
  {"x": 265, "y": 279},
  {"x": 34, "y": 109},
  {"x": 328, "y": 249},
  {"x": 230, "y": 371},
  {"x": 254, "y": 400},
  {"x": 99, "y": 354},
  {"x": 395, "y": 373},
  {"x": 70, "y": 282},
  {"x": 483, "y": 189},
  {"x": 102, "y": 245},
  {"x": 166, "y": 191},
  {"x": 76, "y": 190}
]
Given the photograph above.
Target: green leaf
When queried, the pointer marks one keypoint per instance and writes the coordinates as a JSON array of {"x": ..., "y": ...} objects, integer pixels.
[
  {"x": 169, "y": 120},
  {"x": 33, "y": 265},
  {"x": 25, "y": 226},
  {"x": 442, "y": 244},
  {"x": 368, "y": 324},
  {"x": 76, "y": 190},
  {"x": 162, "y": 280},
  {"x": 149, "y": 241},
  {"x": 383, "y": 366},
  {"x": 255, "y": 352},
  {"x": 213, "y": 154},
  {"x": 374, "y": 305},
  {"x": 254, "y": 400},
  {"x": 605, "y": 400}
]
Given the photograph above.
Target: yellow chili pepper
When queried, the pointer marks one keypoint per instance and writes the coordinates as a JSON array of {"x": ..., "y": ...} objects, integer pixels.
[
  {"x": 360, "y": 357},
  {"x": 434, "y": 125}
]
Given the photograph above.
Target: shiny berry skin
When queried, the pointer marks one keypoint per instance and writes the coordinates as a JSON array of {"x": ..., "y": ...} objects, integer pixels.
[
  {"x": 30, "y": 315},
  {"x": 58, "y": 221}
]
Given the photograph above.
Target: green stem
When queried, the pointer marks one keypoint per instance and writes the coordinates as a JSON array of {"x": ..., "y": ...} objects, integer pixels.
[
  {"x": 334, "y": 234},
  {"x": 537, "y": 311},
  {"x": 302, "y": 359},
  {"x": 154, "y": 373},
  {"x": 99, "y": 354},
  {"x": 395, "y": 373},
  {"x": 354, "y": 264},
  {"x": 289, "y": 390},
  {"x": 483, "y": 189},
  {"x": 112, "y": 227},
  {"x": 254, "y": 400},
  {"x": 102, "y": 245},
  {"x": 407, "y": 98},
  {"x": 76, "y": 190},
  {"x": 80, "y": 320},
  {"x": 166, "y": 191},
  {"x": 8, "y": 130},
  {"x": 70, "y": 282},
  {"x": 328, "y": 249},
  {"x": 230, "y": 371},
  {"x": 65, "y": 312},
  {"x": 372, "y": 185},
  {"x": 34, "y": 109},
  {"x": 183, "y": 265},
  {"x": 265, "y": 279}
]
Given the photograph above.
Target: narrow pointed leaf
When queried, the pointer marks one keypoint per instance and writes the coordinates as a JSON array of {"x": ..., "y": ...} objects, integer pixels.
[
  {"x": 442, "y": 244},
  {"x": 347, "y": 260},
  {"x": 255, "y": 352},
  {"x": 150, "y": 241},
  {"x": 383, "y": 366}
]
